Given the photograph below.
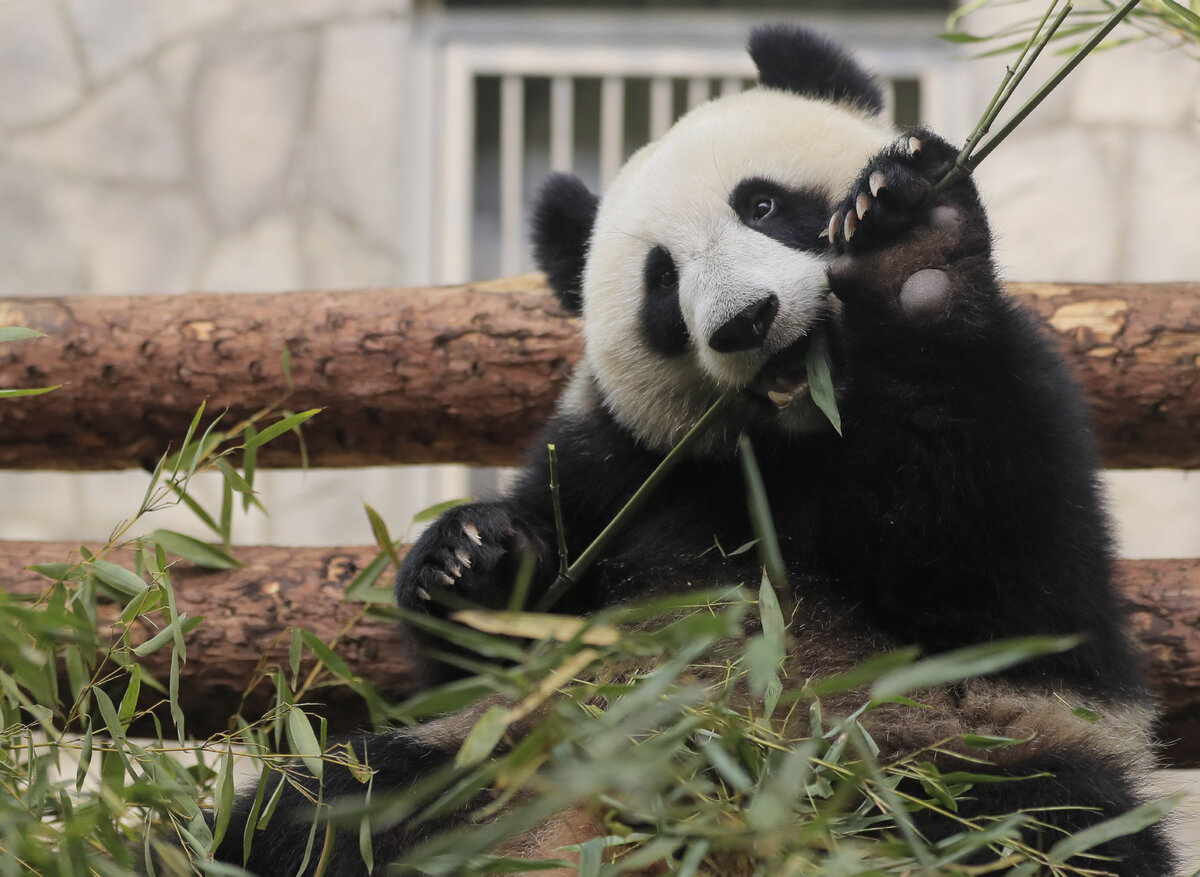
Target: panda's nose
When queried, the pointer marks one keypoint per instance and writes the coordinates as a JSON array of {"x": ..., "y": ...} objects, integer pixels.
[{"x": 747, "y": 329}]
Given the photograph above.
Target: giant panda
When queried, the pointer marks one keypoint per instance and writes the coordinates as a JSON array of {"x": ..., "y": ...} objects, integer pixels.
[{"x": 958, "y": 505}]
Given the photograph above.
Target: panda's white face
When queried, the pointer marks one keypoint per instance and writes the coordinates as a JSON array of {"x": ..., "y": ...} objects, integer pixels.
[{"x": 706, "y": 266}]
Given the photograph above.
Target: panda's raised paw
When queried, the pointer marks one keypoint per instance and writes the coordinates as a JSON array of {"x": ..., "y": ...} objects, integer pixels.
[
  {"x": 891, "y": 194},
  {"x": 467, "y": 557}
]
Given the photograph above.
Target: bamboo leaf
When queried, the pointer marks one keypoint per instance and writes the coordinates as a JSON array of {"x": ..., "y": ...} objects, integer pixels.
[
  {"x": 382, "y": 538},
  {"x": 32, "y": 391},
  {"x": 249, "y": 462},
  {"x": 200, "y": 553},
  {"x": 328, "y": 658},
  {"x": 264, "y": 776},
  {"x": 820, "y": 386},
  {"x": 433, "y": 511},
  {"x": 182, "y": 625},
  {"x": 539, "y": 625},
  {"x": 1119, "y": 826},
  {"x": 304, "y": 743},
  {"x": 57, "y": 572},
  {"x": 362, "y": 589},
  {"x": 971, "y": 661},
  {"x": 18, "y": 333},
  {"x": 484, "y": 737},
  {"x": 223, "y": 797},
  {"x": 118, "y": 578},
  {"x": 129, "y": 702},
  {"x": 279, "y": 428}
]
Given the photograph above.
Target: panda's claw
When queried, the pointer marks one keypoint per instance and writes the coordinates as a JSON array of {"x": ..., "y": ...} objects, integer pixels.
[
  {"x": 423, "y": 594},
  {"x": 444, "y": 579},
  {"x": 835, "y": 223},
  {"x": 851, "y": 223},
  {"x": 473, "y": 533},
  {"x": 862, "y": 204},
  {"x": 463, "y": 558},
  {"x": 914, "y": 146},
  {"x": 878, "y": 181}
]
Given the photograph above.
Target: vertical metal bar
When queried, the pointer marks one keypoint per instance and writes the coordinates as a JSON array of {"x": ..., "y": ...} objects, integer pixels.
[
  {"x": 512, "y": 157},
  {"x": 697, "y": 92},
  {"x": 458, "y": 170},
  {"x": 612, "y": 127},
  {"x": 889, "y": 100},
  {"x": 661, "y": 110},
  {"x": 562, "y": 123}
]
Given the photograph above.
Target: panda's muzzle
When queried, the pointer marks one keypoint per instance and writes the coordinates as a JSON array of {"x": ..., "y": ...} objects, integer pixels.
[
  {"x": 748, "y": 328},
  {"x": 784, "y": 377}
]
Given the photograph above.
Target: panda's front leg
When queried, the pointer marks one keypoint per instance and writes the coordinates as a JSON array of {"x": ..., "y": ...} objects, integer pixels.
[
  {"x": 469, "y": 557},
  {"x": 904, "y": 256}
]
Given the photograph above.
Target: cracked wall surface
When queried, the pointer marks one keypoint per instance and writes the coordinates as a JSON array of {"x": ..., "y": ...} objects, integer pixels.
[{"x": 216, "y": 145}]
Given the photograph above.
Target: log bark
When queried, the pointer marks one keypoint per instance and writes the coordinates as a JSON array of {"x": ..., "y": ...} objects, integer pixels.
[
  {"x": 465, "y": 374},
  {"x": 249, "y": 612},
  {"x": 405, "y": 376}
]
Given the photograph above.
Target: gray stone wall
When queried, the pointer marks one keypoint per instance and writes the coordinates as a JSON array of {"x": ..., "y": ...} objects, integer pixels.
[
  {"x": 150, "y": 146},
  {"x": 170, "y": 146}
]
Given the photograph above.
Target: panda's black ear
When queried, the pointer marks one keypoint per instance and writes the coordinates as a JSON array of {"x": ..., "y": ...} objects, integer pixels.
[
  {"x": 563, "y": 216},
  {"x": 796, "y": 59}
]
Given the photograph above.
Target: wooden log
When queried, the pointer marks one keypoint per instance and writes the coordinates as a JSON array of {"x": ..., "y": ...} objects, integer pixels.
[
  {"x": 249, "y": 612},
  {"x": 405, "y": 376},
  {"x": 1135, "y": 349},
  {"x": 465, "y": 374}
]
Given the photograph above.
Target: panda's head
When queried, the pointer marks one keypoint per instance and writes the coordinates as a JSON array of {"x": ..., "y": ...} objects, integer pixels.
[{"x": 702, "y": 270}]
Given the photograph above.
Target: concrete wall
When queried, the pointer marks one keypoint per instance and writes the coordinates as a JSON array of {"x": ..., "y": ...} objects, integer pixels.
[{"x": 204, "y": 145}]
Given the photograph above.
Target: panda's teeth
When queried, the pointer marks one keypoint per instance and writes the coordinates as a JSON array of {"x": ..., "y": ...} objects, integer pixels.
[
  {"x": 878, "y": 181},
  {"x": 862, "y": 204},
  {"x": 781, "y": 400}
]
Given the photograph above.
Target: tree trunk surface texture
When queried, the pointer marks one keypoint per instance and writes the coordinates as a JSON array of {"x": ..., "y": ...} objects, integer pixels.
[{"x": 465, "y": 374}]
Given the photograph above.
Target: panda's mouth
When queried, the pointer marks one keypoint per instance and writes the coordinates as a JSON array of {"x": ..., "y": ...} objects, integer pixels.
[{"x": 784, "y": 377}]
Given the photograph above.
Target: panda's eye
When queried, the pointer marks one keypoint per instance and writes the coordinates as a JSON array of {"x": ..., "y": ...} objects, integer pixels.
[
  {"x": 659, "y": 274},
  {"x": 762, "y": 207}
]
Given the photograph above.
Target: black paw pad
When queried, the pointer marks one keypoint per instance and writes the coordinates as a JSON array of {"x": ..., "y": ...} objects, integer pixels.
[{"x": 925, "y": 293}]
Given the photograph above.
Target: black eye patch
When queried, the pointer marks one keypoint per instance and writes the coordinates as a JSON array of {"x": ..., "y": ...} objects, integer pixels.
[
  {"x": 795, "y": 217},
  {"x": 663, "y": 328}
]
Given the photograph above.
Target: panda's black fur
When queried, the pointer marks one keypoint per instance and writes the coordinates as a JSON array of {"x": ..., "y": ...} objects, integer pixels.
[{"x": 960, "y": 505}]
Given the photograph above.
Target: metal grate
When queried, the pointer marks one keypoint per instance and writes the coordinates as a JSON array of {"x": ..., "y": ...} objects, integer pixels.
[{"x": 513, "y": 110}]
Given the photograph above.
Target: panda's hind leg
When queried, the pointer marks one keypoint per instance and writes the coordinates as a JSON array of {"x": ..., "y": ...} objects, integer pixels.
[
  {"x": 1063, "y": 796},
  {"x": 919, "y": 258}
]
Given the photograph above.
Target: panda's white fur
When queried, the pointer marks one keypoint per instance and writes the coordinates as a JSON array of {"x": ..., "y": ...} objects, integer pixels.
[{"x": 675, "y": 193}]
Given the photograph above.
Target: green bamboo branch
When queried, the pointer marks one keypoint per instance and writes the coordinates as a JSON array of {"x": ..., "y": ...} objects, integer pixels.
[
  {"x": 566, "y": 579},
  {"x": 559, "y": 528},
  {"x": 972, "y": 154}
]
